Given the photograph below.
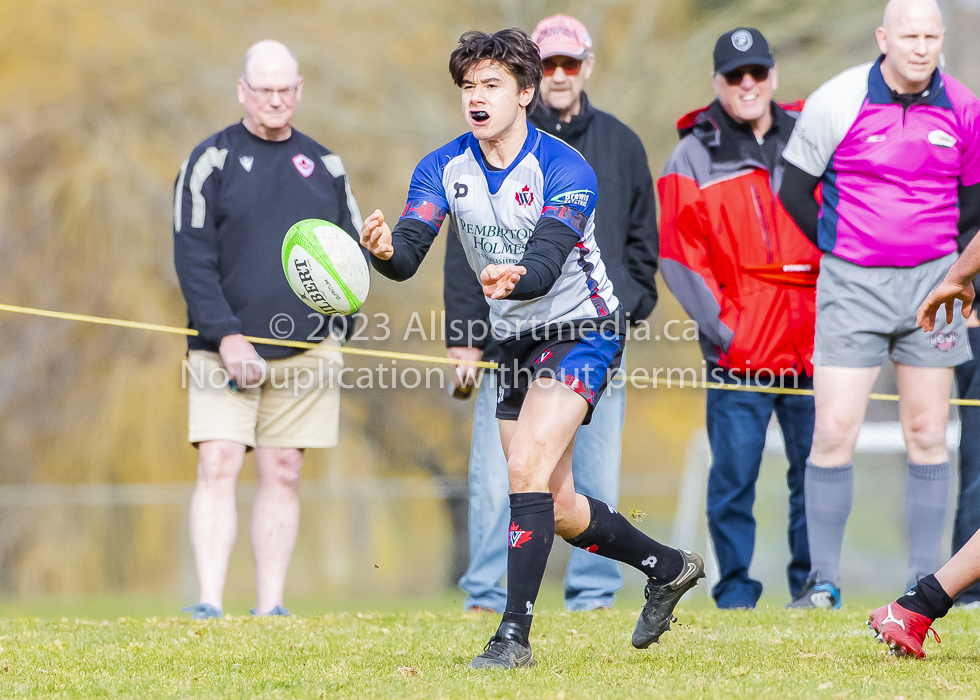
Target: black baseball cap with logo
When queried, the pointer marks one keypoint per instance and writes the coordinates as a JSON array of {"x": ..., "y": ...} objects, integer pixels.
[{"x": 743, "y": 46}]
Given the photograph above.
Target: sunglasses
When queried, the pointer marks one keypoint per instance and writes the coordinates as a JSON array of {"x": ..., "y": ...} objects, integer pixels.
[
  {"x": 759, "y": 74},
  {"x": 571, "y": 66}
]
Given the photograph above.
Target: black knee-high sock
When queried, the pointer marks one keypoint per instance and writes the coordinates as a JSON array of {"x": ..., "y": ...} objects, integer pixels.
[
  {"x": 928, "y": 598},
  {"x": 529, "y": 539},
  {"x": 610, "y": 535}
]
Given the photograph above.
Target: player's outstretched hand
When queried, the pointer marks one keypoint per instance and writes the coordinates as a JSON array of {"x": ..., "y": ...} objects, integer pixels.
[
  {"x": 376, "y": 236},
  {"x": 945, "y": 294},
  {"x": 499, "y": 280}
]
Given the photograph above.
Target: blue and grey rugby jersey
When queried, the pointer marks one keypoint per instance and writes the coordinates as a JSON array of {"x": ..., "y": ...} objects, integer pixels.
[{"x": 538, "y": 212}]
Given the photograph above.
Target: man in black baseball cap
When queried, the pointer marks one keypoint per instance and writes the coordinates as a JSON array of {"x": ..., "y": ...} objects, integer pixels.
[
  {"x": 745, "y": 77},
  {"x": 740, "y": 47},
  {"x": 745, "y": 273}
]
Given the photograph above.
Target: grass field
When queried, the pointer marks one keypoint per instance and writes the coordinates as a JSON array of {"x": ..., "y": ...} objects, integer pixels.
[{"x": 769, "y": 653}]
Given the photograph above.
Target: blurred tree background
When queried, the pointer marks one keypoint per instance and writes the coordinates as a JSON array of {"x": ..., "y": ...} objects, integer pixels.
[{"x": 102, "y": 102}]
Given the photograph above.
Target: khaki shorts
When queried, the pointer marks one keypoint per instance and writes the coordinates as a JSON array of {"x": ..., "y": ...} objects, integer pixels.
[{"x": 297, "y": 405}]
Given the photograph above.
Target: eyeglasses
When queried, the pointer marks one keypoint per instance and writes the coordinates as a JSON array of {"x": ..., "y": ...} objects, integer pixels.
[
  {"x": 286, "y": 94},
  {"x": 759, "y": 74},
  {"x": 571, "y": 66}
]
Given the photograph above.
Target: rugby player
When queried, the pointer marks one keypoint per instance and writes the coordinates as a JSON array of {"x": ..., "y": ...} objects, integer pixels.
[
  {"x": 894, "y": 144},
  {"x": 626, "y": 232},
  {"x": 522, "y": 203}
]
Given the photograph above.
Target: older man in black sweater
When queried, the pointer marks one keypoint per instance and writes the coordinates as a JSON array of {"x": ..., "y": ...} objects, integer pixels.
[
  {"x": 626, "y": 231},
  {"x": 235, "y": 197}
]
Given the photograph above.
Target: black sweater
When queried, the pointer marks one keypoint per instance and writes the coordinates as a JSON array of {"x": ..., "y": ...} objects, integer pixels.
[
  {"x": 625, "y": 222},
  {"x": 235, "y": 198}
]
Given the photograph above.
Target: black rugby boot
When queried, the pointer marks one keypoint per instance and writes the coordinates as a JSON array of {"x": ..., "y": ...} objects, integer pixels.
[
  {"x": 506, "y": 650},
  {"x": 658, "y": 612}
]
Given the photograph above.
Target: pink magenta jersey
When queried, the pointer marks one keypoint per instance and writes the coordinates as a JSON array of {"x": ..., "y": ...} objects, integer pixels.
[{"x": 890, "y": 174}]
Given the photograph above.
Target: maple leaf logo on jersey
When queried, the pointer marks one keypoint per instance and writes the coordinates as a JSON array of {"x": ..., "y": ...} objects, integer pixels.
[
  {"x": 516, "y": 536},
  {"x": 303, "y": 164},
  {"x": 525, "y": 196}
]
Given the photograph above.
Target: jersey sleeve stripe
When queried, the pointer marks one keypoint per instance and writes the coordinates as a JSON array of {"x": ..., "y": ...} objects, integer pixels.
[
  {"x": 179, "y": 195},
  {"x": 211, "y": 158},
  {"x": 336, "y": 167}
]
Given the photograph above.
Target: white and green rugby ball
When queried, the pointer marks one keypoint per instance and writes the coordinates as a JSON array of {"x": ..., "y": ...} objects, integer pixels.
[{"x": 325, "y": 267}]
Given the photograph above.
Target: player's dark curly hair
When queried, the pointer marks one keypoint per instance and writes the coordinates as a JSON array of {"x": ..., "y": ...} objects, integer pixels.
[{"x": 511, "y": 48}]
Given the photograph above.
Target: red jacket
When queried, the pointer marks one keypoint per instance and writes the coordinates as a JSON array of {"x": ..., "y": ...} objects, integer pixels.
[{"x": 730, "y": 253}]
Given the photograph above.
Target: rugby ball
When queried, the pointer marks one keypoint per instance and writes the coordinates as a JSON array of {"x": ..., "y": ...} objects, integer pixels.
[{"x": 325, "y": 267}]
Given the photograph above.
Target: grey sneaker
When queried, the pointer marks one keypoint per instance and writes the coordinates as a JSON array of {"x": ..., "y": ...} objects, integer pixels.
[
  {"x": 662, "y": 598},
  {"x": 277, "y": 611},
  {"x": 817, "y": 594},
  {"x": 203, "y": 611},
  {"x": 506, "y": 650}
]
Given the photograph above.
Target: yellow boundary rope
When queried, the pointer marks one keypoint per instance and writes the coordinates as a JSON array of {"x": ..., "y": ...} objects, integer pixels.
[{"x": 432, "y": 359}]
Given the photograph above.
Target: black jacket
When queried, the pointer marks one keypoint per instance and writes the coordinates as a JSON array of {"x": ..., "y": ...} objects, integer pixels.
[
  {"x": 235, "y": 198},
  {"x": 625, "y": 224}
]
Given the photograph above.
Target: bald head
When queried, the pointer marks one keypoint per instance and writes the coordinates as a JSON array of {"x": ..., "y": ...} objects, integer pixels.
[
  {"x": 911, "y": 39},
  {"x": 269, "y": 56},
  {"x": 897, "y": 10},
  {"x": 269, "y": 89}
]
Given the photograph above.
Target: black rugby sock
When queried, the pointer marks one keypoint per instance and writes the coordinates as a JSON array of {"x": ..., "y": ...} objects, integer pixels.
[
  {"x": 928, "y": 598},
  {"x": 611, "y": 535},
  {"x": 529, "y": 539}
]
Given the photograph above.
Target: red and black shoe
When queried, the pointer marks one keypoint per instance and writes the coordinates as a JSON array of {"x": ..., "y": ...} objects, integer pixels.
[{"x": 902, "y": 630}]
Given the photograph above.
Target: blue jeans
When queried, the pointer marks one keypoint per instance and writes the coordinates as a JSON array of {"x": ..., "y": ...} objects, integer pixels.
[
  {"x": 967, "y": 520},
  {"x": 737, "y": 423},
  {"x": 591, "y": 581}
]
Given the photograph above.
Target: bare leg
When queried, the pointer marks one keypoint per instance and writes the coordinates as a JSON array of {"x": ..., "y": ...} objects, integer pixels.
[
  {"x": 572, "y": 512},
  {"x": 214, "y": 515},
  {"x": 539, "y": 448},
  {"x": 963, "y": 570},
  {"x": 275, "y": 522},
  {"x": 841, "y": 399},
  {"x": 535, "y": 443},
  {"x": 924, "y": 411}
]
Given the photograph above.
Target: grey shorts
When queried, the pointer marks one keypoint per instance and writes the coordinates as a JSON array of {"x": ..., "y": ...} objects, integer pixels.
[{"x": 865, "y": 313}]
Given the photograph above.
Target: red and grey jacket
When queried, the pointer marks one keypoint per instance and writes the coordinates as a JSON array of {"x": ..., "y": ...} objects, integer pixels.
[{"x": 730, "y": 253}]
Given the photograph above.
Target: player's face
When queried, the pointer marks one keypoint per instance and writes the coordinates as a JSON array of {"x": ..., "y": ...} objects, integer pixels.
[
  {"x": 491, "y": 101},
  {"x": 746, "y": 93},
  {"x": 912, "y": 43},
  {"x": 270, "y": 93},
  {"x": 563, "y": 80}
]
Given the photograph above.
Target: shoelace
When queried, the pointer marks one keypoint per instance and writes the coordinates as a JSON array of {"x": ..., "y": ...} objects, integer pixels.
[
  {"x": 495, "y": 651},
  {"x": 915, "y": 628},
  {"x": 925, "y": 632}
]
